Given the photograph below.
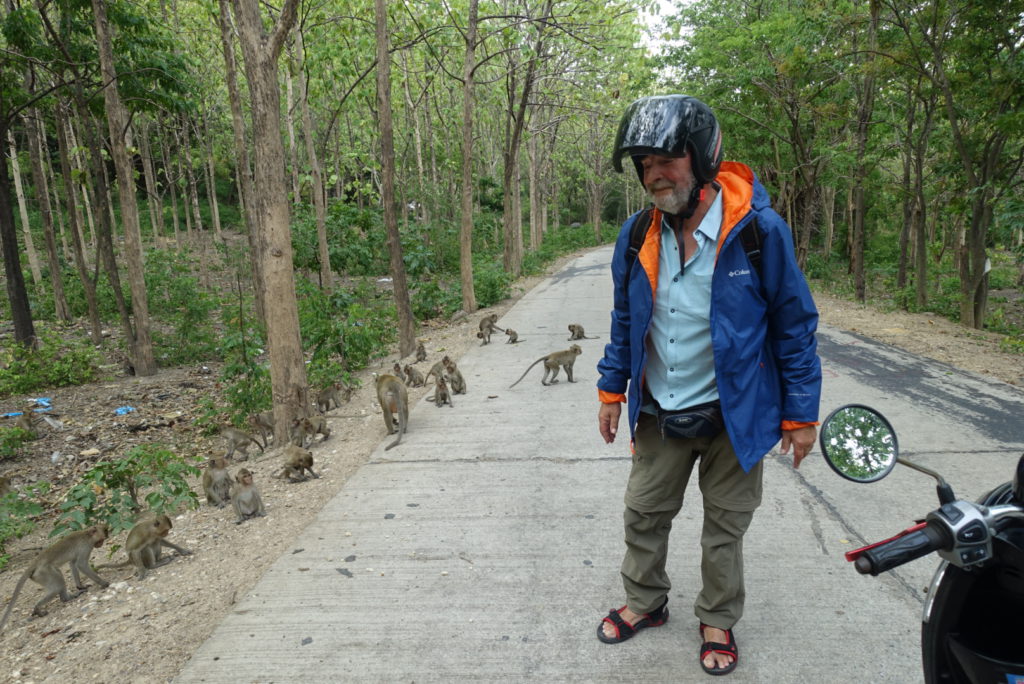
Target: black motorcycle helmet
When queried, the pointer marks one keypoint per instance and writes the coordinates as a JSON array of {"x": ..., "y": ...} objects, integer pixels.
[{"x": 669, "y": 125}]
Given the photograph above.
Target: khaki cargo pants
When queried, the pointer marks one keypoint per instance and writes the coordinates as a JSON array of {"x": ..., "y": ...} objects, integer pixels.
[{"x": 654, "y": 495}]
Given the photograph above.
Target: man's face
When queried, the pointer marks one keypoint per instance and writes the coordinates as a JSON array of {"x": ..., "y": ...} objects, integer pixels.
[{"x": 669, "y": 181}]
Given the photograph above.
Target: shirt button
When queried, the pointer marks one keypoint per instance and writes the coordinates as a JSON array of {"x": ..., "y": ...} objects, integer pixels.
[
  {"x": 672, "y": 341},
  {"x": 671, "y": 396},
  {"x": 672, "y": 369},
  {"x": 671, "y": 310},
  {"x": 676, "y": 279}
]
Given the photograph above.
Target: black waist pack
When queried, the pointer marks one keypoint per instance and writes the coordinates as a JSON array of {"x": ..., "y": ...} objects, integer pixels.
[{"x": 703, "y": 420}]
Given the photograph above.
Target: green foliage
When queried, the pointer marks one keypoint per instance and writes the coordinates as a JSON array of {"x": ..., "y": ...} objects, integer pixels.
[
  {"x": 114, "y": 492},
  {"x": 433, "y": 298},
  {"x": 12, "y": 439},
  {"x": 56, "y": 363},
  {"x": 491, "y": 282},
  {"x": 246, "y": 380},
  {"x": 356, "y": 242},
  {"x": 344, "y": 328},
  {"x": 17, "y": 511},
  {"x": 177, "y": 300}
]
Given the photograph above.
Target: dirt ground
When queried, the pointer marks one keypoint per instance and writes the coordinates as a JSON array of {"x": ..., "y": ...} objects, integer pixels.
[{"x": 144, "y": 631}]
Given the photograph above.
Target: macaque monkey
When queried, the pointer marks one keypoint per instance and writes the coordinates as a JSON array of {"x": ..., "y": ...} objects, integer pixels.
[
  {"x": 309, "y": 427},
  {"x": 397, "y": 371},
  {"x": 238, "y": 440},
  {"x": 262, "y": 423},
  {"x": 552, "y": 362},
  {"x": 437, "y": 369},
  {"x": 28, "y": 422},
  {"x": 394, "y": 401},
  {"x": 441, "y": 394},
  {"x": 217, "y": 482},
  {"x": 413, "y": 377},
  {"x": 488, "y": 324},
  {"x": 455, "y": 379},
  {"x": 296, "y": 462},
  {"x": 5, "y": 486},
  {"x": 332, "y": 394},
  {"x": 576, "y": 333},
  {"x": 513, "y": 336},
  {"x": 145, "y": 543},
  {"x": 245, "y": 498},
  {"x": 421, "y": 352},
  {"x": 73, "y": 549}
]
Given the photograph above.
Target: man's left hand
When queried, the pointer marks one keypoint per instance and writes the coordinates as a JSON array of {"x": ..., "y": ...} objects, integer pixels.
[{"x": 802, "y": 440}]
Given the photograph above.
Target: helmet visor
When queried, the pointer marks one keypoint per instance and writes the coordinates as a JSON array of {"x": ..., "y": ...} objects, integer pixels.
[{"x": 653, "y": 125}]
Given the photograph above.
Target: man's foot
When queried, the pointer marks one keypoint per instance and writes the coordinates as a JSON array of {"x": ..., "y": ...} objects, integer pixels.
[
  {"x": 623, "y": 623},
  {"x": 718, "y": 652}
]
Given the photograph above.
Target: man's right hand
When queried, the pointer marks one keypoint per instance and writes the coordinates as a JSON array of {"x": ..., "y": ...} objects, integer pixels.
[{"x": 608, "y": 420}]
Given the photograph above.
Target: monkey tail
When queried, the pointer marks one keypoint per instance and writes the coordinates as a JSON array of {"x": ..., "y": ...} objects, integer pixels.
[
  {"x": 14, "y": 596},
  {"x": 526, "y": 371}
]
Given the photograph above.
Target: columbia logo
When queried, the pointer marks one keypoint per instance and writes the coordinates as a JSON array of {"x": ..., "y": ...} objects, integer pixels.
[{"x": 739, "y": 272}]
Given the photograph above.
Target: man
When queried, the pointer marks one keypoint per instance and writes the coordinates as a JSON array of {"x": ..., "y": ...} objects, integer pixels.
[{"x": 713, "y": 332}]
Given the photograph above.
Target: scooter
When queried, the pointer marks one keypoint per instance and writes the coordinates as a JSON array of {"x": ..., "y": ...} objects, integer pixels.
[{"x": 973, "y": 624}]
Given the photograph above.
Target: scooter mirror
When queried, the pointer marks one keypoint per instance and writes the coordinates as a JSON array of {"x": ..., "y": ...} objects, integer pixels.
[{"x": 859, "y": 443}]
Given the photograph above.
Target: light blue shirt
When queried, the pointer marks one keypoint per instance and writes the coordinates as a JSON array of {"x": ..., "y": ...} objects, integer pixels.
[{"x": 680, "y": 363}]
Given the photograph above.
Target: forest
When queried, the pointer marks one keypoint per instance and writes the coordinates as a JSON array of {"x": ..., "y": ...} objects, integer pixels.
[{"x": 290, "y": 190}]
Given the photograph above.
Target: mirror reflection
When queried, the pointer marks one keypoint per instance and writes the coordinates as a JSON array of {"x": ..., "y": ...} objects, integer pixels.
[{"x": 859, "y": 443}]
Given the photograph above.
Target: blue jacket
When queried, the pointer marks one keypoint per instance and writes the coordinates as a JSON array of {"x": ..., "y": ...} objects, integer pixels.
[{"x": 762, "y": 325}]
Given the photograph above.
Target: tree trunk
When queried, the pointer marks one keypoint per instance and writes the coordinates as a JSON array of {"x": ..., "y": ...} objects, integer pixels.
[
  {"x": 466, "y": 225},
  {"x": 153, "y": 201},
  {"x": 243, "y": 169},
  {"x": 17, "y": 295},
  {"x": 88, "y": 283},
  {"x": 117, "y": 121},
  {"x": 211, "y": 183},
  {"x": 406, "y": 326},
  {"x": 60, "y": 303},
  {"x": 270, "y": 209},
  {"x": 293, "y": 148},
  {"x": 319, "y": 201},
  {"x": 26, "y": 229}
]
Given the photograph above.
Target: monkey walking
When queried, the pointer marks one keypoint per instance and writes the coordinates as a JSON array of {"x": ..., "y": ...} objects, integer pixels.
[
  {"x": 217, "y": 482},
  {"x": 576, "y": 333},
  {"x": 45, "y": 570},
  {"x": 437, "y": 369},
  {"x": 239, "y": 440},
  {"x": 394, "y": 401},
  {"x": 309, "y": 427},
  {"x": 564, "y": 359},
  {"x": 245, "y": 498},
  {"x": 262, "y": 423}
]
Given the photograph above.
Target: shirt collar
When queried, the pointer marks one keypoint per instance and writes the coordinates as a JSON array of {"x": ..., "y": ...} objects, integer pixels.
[{"x": 711, "y": 224}]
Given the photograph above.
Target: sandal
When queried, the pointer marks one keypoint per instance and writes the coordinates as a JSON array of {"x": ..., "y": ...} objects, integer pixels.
[
  {"x": 728, "y": 649},
  {"x": 624, "y": 630}
]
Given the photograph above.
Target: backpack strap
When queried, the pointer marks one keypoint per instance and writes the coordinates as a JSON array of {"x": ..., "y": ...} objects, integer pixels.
[
  {"x": 751, "y": 238},
  {"x": 637, "y": 233}
]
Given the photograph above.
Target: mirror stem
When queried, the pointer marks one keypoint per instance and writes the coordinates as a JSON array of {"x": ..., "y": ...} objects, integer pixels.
[{"x": 943, "y": 489}]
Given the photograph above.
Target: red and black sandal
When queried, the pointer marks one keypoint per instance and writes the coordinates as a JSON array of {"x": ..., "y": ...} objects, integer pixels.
[
  {"x": 728, "y": 649},
  {"x": 624, "y": 630}
]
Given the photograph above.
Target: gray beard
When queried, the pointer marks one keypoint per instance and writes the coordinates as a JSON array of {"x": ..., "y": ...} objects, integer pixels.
[{"x": 672, "y": 203}]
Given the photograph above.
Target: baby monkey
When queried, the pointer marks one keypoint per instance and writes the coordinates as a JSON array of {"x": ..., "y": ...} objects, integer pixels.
[
  {"x": 513, "y": 336},
  {"x": 245, "y": 498},
  {"x": 576, "y": 333},
  {"x": 217, "y": 482}
]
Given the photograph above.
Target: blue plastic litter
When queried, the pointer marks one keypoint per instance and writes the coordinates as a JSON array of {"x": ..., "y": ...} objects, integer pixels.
[{"x": 123, "y": 410}]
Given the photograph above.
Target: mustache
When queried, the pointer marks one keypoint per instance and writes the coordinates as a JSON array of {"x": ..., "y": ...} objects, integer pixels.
[{"x": 661, "y": 186}]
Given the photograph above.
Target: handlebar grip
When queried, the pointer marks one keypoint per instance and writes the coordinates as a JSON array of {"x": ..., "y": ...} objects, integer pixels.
[{"x": 900, "y": 550}]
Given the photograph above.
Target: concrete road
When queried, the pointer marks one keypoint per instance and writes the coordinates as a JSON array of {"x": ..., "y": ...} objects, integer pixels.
[{"x": 486, "y": 547}]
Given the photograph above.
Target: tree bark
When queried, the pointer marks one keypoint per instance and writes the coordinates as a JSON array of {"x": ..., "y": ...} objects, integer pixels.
[
  {"x": 17, "y": 295},
  {"x": 406, "y": 325},
  {"x": 260, "y": 52},
  {"x": 26, "y": 229},
  {"x": 466, "y": 225},
  {"x": 117, "y": 122}
]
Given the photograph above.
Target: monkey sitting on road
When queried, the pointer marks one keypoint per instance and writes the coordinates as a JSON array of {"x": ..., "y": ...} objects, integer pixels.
[
  {"x": 297, "y": 462},
  {"x": 576, "y": 333},
  {"x": 245, "y": 498},
  {"x": 145, "y": 543},
  {"x": 309, "y": 427},
  {"x": 217, "y": 482},
  {"x": 441, "y": 394},
  {"x": 45, "y": 570},
  {"x": 455, "y": 379},
  {"x": 552, "y": 362},
  {"x": 413, "y": 377},
  {"x": 513, "y": 336}
]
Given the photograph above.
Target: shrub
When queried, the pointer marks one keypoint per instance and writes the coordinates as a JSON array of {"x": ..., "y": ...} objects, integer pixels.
[
  {"x": 17, "y": 511},
  {"x": 491, "y": 282},
  {"x": 53, "y": 364},
  {"x": 11, "y": 440},
  {"x": 176, "y": 298},
  {"x": 113, "y": 492}
]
